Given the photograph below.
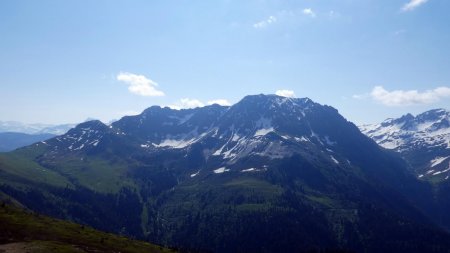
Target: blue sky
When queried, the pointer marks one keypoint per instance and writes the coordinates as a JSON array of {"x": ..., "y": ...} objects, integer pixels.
[{"x": 65, "y": 61}]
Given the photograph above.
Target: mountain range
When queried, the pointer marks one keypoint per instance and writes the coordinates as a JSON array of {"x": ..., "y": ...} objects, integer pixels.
[
  {"x": 15, "y": 134},
  {"x": 422, "y": 140},
  {"x": 10, "y": 140},
  {"x": 19, "y": 127},
  {"x": 268, "y": 174}
]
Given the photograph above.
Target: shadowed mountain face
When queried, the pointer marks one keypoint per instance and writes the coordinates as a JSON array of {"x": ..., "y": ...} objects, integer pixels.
[
  {"x": 268, "y": 174},
  {"x": 423, "y": 142}
]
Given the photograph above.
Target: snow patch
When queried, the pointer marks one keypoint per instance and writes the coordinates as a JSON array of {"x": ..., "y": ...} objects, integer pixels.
[
  {"x": 221, "y": 170},
  {"x": 438, "y": 160},
  {"x": 195, "y": 174},
  {"x": 303, "y": 139},
  {"x": 218, "y": 152},
  {"x": 440, "y": 172},
  {"x": 235, "y": 137},
  {"x": 329, "y": 142},
  {"x": 80, "y": 147},
  {"x": 254, "y": 169},
  {"x": 229, "y": 154},
  {"x": 264, "y": 127},
  {"x": 172, "y": 143},
  {"x": 185, "y": 118},
  {"x": 314, "y": 135},
  {"x": 334, "y": 159},
  {"x": 264, "y": 131},
  {"x": 412, "y": 133}
]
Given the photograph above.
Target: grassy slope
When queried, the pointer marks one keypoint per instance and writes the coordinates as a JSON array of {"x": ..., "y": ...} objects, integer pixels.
[
  {"x": 93, "y": 173},
  {"x": 36, "y": 233},
  {"x": 20, "y": 164}
]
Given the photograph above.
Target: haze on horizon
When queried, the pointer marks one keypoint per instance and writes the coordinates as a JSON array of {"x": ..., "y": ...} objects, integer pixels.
[{"x": 63, "y": 62}]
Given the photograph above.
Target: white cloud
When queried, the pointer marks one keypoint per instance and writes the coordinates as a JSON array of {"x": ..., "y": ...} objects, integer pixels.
[
  {"x": 332, "y": 14},
  {"x": 186, "y": 103},
  {"x": 285, "y": 93},
  {"x": 399, "y": 32},
  {"x": 140, "y": 85},
  {"x": 175, "y": 107},
  {"x": 222, "y": 102},
  {"x": 191, "y": 103},
  {"x": 361, "y": 96},
  {"x": 309, "y": 12},
  {"x": 265, "y": 23},
  {"x": 408, "y": 97},
  {"x": 412, "y": 4}
]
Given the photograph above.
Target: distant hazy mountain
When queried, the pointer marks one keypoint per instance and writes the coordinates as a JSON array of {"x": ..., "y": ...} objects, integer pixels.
[
  {"x": 15, "y": 134},
  {"x": 19, "y": 127},
  {"x": 268, "y": 174},
  {"x": 423, "y": 140},
  {"x": 10, "y": 141}
]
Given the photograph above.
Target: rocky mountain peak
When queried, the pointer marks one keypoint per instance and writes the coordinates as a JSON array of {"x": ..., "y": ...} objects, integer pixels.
[{"x": 424, "y": 140}]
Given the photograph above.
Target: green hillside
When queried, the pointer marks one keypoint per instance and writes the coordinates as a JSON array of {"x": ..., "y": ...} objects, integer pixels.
[{"x": 22, "y": 231}]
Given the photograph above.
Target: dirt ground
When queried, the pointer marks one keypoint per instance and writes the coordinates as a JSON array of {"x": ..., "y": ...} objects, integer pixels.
[
  {"x": 38, "y": 247},
  {"x": 18, "y": 247}
]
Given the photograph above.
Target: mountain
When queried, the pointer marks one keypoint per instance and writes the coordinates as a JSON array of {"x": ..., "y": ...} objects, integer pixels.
[
  {"x": 15, "y": 134},
  {"x": 24, "y": 231},
  {"x": 10, "y": 141},
  {"x": 268, "y": 174},
  {"x": 423, "y": 140},
  {"x": 19, "y": 127}
]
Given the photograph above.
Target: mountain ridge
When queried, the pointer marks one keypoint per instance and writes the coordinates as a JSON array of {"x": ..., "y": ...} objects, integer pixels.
[
  {"x": 221, "y": 178},
  {"x": 423, "y": 140}
]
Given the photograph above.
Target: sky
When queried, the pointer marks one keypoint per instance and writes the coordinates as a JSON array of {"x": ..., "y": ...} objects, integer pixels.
[{"x": 65, "y": 61}]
